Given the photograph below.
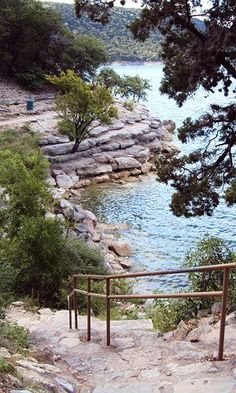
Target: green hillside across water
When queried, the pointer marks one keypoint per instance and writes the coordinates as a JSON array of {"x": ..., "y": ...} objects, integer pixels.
[{"x": 120, "y": 44}]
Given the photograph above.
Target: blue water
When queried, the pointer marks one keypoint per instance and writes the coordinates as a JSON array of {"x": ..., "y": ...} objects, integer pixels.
[{"x": 159, "y": 239}]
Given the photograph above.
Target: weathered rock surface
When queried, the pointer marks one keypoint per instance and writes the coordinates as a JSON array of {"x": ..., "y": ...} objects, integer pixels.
[
  {"x": 124, "y": 148},
  {"x": 120, "y": 248},
  {"x": 139, "y": 359}
]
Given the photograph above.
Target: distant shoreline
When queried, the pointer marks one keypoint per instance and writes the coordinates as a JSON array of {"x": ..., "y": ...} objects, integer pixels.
[{"x": 136, "y": 63}]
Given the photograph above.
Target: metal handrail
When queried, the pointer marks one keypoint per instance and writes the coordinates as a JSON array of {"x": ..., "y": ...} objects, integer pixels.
[{"x": 73, "y": 301}]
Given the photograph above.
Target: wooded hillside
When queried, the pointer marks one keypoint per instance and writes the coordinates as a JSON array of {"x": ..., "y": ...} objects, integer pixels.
[{"x": 120, "y": 44}]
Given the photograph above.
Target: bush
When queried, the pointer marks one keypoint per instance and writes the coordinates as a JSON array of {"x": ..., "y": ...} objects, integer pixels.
[
  {"x": 14, "y": 337},
  {"x": 80, "y": 105},
  {"x": 166, "y": 314},
  {"x": 129, "y": 105},
  {"x": 6, "y": 367},
  {"x": 33, "y": 78},
  {"x": 211, "y": 251},
  {"x": 36, "y": 258},
  {"x": 98, "y": 305}
]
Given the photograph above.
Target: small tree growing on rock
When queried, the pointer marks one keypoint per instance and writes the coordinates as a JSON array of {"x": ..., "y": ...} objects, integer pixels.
[{"x": 81, "y": 106}]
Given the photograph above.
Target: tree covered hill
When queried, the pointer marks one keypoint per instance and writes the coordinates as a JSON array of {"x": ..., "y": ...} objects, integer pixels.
[{"x": 120, "y": 44}]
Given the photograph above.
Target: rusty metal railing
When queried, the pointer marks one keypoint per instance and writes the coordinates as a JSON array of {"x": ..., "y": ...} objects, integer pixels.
[{"x": 108, "y": 296}]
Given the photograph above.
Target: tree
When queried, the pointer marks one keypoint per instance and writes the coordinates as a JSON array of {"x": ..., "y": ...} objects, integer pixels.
[
  {"x": 81, "y": 106},
  {"x": 82, "y": 53},
  {"x": 198, "y": 49},
  {"x": 134, "y": 87},
  {"x": 108, "y": 78},
  {"x": 34, "y": 41},
  {"x": 125, "y": 86}
]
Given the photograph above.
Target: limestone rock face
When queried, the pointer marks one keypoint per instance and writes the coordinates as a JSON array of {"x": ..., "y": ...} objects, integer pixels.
[
  {"x": 127, "y": 163},
  {"x": 127, "y": 145}
]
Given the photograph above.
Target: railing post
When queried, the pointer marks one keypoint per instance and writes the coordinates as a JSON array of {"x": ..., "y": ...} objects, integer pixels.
[
  {"x": 70, "y": 313},
  {"x": 108, "y": 311},
  {"x": 75, "y": 303},
  {"x": 223, "y": 313},
  {"x": 89, "y": 310}
]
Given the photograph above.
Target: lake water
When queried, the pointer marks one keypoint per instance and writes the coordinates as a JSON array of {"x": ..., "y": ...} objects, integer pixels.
[{"x": 159, "y": 239}]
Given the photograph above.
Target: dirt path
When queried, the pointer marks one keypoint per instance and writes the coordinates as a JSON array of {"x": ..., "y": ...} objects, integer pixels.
[{"x": 31, "y": 118}]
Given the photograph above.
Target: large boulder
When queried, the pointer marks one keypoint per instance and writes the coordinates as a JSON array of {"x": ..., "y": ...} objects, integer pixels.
[
  {"x": 66, "y": 181},
  {"x": 121, "y": 249},
  {"x": 127, "y": 163}
]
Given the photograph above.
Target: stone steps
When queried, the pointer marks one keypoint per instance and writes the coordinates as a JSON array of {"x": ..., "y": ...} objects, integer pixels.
[{"x": 139, "y": 359}]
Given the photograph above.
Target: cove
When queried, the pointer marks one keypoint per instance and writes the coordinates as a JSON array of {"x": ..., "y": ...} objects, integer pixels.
[{"x": 159, "y": 239}]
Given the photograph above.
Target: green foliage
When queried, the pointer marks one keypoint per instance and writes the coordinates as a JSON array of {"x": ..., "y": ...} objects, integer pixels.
[
  {"x": 196, "y": 49},
  {"x": 91, "y": 259},
  {"x": 34, "y": 41},
  {"x": 108, "y": 78},
  {"x": 166, "y": 314},
  {"x": 129, "y": 105},
  {"x": 14, "y": 337},
  {"x": 5, "y": 367},
  {"x": 134, "y": 87},
  {"x": 89, "y": 54},
  {"x": 21, "y": 141},
  {"x": 119, "y": 42},
  {"x": 211, "y": 251},
  {"x": 38, "y": 255},
  {"x": 200, "y": 176},
  {"x": 98, "y": 306},
  {"x": 80, "y": 105},
  {"x": 36, "y": 258},
  {"x": 26, "y": 190},
  {"x": 32, "y": 78},
  {"x": 129, "y": 87},
  {"x": 195, "y": 53}
]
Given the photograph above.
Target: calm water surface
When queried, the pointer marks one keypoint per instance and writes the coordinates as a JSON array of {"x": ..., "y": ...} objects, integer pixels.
[{"x": 159, "y": 239}]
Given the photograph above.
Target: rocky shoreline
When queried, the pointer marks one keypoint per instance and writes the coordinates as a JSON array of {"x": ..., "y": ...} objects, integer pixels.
[
  {"x": 123, "y": 151},
  {"x": 126, "y": 148}
]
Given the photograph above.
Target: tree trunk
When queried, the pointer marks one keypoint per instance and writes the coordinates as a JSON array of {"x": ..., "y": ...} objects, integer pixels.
[{"x": 76, "y": 145}]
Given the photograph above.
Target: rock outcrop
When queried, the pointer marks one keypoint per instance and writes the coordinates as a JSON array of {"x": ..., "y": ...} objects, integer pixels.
[{"x": 126, "y": 148}]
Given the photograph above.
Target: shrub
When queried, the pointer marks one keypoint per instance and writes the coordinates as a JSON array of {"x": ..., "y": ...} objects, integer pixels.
[
  {"x": 210, "y": 251},
  {"x": 129, "y": 87},
  {"x": 98, "y": 305},
  {"x": 6, "y": 367},
  {"x": 129, "y": 105},
  {"x": 166, "y": 314},
  {"x": 14, "y": 337},
  {"x": 36, "y": 258}
]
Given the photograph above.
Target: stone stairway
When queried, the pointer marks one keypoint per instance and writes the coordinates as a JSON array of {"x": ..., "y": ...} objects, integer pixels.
[{"x": 139, "y": 360}]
